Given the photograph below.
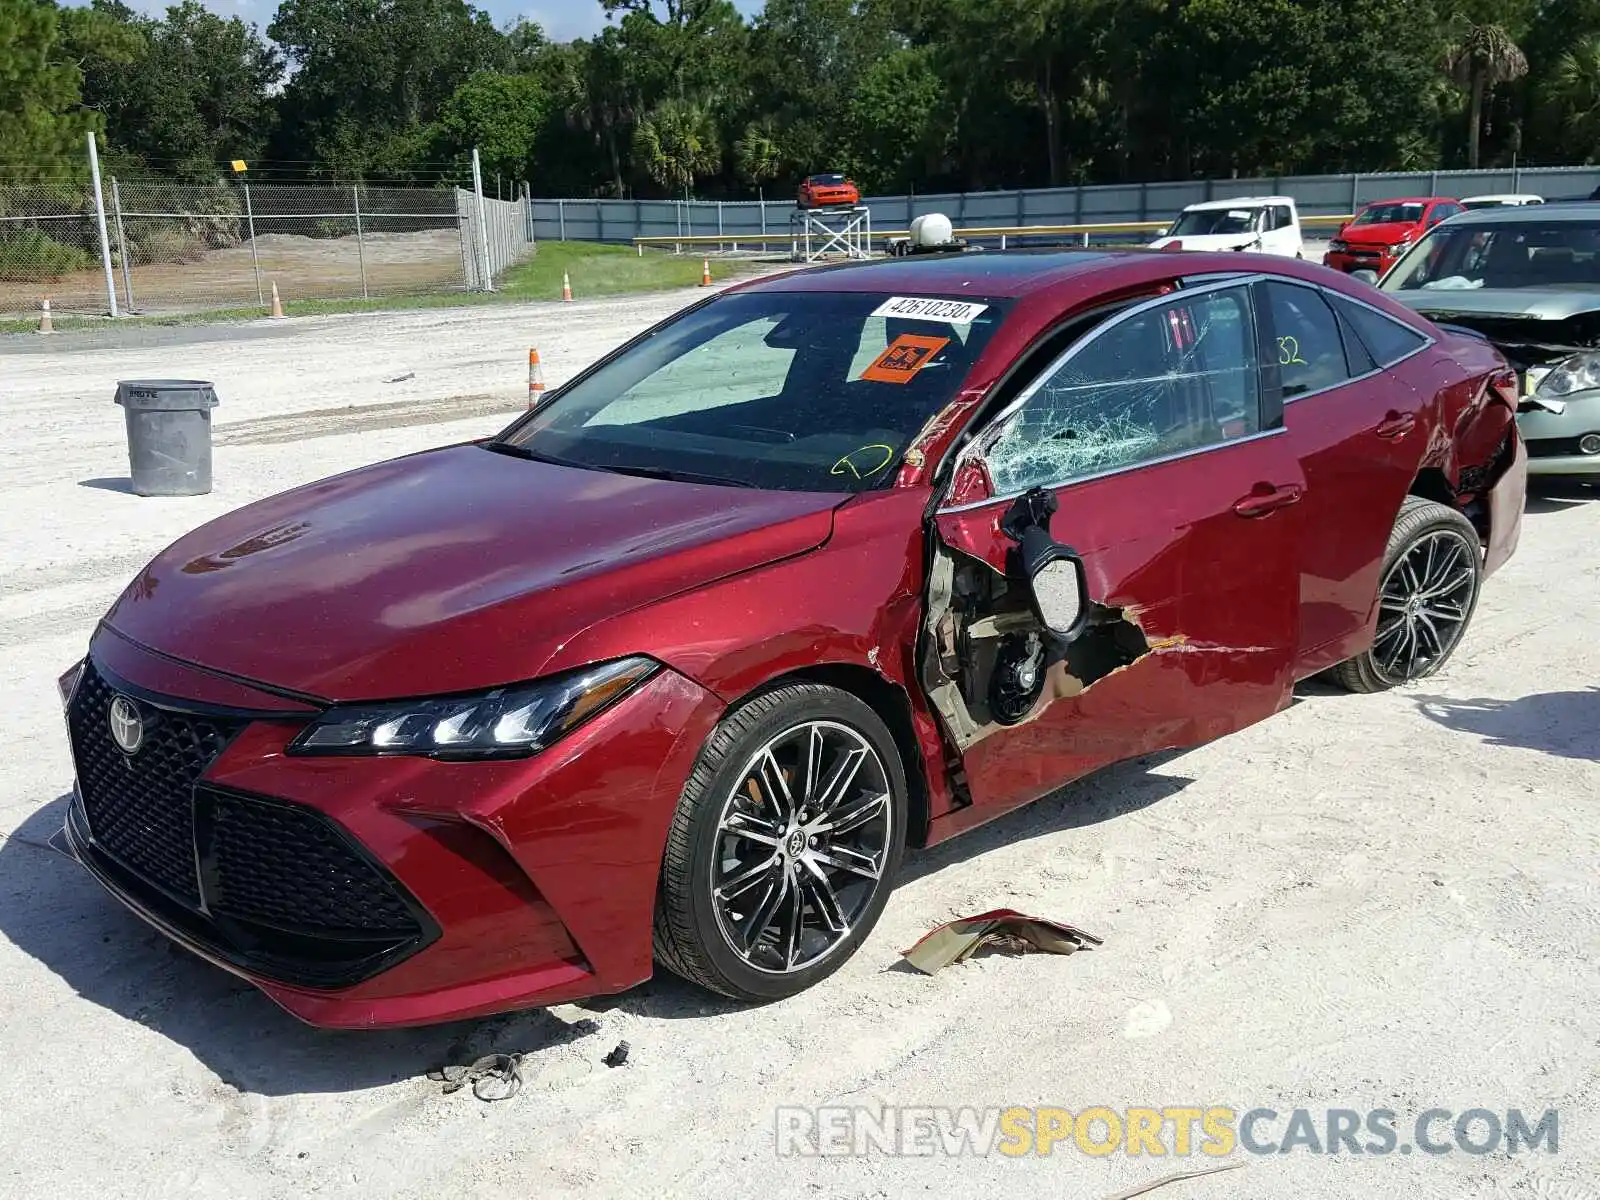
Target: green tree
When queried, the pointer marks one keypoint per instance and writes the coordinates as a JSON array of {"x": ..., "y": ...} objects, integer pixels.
[
  {"x": 895, "y": 121},
  {"x": 1573, "y": 91},
  {"x": 181, "y": 93},
  {"x": 1482, "y": 58},
  {"x": 501, "y": 115},
  {"x": 676, "y": 143},
  {"x": 370, "y": 73},
  {"x": 41, "y": 123},
  {"x": 758, "y": 155}
]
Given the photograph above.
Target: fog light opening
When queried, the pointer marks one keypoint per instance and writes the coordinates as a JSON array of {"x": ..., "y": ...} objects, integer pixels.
[{"x": 1589, "y": 443}]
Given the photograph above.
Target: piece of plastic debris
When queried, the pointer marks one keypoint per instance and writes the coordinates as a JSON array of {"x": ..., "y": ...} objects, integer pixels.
[
  {"x": 1002, "y": 929},
  {"x": 402, "y": 378},
  {"x": 1147, "y": 1188},
  {"x": 493, "y": 1077},
  {"x": 618, "y": 1056}
]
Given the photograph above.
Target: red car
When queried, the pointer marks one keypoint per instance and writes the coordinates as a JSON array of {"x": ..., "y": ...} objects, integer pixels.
[
  {"x": 832, "y": 563},
  {"x": 1384, "y": 230},
  {"x": 828, "y": 191}
]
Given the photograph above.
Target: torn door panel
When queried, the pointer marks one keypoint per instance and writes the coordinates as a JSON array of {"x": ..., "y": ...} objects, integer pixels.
[{"x": 988, "y": 666}]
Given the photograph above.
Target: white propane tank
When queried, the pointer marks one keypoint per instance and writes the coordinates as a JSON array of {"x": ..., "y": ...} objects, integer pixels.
[{"x": 932, "y": 229}]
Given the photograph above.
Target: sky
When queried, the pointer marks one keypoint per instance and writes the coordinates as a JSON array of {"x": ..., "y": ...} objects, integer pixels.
[{"x": 562, "y": 20}]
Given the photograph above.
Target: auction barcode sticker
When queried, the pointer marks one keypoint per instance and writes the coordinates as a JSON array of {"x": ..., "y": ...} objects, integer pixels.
[{"x": 926, "y": 308}]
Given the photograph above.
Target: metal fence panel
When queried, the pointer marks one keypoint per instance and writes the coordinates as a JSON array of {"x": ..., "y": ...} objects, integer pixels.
[
  {"x": 49, "y": 249},
  {"x": 179, "y": 247},
  {"x": 1316, "y": 195}
]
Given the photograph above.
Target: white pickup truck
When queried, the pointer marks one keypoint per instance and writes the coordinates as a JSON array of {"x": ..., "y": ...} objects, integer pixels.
[{"x": 1265, "y": 224}]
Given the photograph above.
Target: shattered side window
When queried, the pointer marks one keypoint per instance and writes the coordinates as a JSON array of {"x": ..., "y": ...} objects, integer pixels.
[{"x": 1170, "y": 379}]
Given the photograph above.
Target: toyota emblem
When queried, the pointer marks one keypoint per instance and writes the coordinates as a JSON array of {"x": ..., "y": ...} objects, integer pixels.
[{"x": 127, "y": 727}]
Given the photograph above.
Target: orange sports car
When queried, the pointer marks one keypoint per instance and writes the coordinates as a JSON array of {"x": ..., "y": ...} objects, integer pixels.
[{"x": 828, "y": 191}]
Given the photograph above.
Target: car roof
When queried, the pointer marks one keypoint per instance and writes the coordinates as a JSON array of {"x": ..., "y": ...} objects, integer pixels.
[
  {"x": 1236, "y": 201},
  {"x": 1409, "y": 200},
  {"x": 997, "y": 274},
  {"x": 1529, "y": 214},
  {"x": 1010, "y": 274},
  {"x": 1501, "y": 196}
]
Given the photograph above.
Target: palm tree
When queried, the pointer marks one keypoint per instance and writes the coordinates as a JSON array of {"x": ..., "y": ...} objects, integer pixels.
[
  {"x": 758, "y": 154},
  {"x": 677, "y": 143},
  {"x": 1574, "y": 90},
  {"x": 1484, "y": 57}
]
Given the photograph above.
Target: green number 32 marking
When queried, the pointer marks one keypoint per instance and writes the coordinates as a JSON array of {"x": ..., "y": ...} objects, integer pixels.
[{"x": 1289, "y": 352}]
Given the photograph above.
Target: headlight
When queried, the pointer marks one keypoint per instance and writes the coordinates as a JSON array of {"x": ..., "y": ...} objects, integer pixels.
[
  {"x": 1577, "y": 374},
  {"x": 504, "y": 723},
  {"x": 1338, "y": 245}
]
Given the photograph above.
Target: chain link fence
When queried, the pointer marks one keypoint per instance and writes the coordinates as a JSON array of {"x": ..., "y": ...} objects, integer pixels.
[{"x": 177, "y": 247}]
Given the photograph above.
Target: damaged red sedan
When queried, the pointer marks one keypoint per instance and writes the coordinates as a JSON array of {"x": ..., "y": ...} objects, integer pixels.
[{"x": 674, "y": 668}]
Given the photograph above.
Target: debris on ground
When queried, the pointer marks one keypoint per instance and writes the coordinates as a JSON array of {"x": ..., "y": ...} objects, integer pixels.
[
  {"x": 618, "y": 1056},
  {"x": 401, "y": 378},
  {"x": 1147, "y": 1188},
  {"x": 1003, "y": 929},
  {"x": 492, "y": 1077}
]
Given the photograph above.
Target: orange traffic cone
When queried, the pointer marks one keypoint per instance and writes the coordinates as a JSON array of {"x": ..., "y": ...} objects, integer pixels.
[
  {"x": 45, "y": 324},
  {"x": 566, "y": 286},
  {"x": 535, "y": 378},
  {"x": 705, "y": 272},
  {"x": 277, "y": 305}
]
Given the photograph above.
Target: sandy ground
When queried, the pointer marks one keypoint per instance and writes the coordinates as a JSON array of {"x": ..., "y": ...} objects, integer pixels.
[{"x": 1364, "y": 902}]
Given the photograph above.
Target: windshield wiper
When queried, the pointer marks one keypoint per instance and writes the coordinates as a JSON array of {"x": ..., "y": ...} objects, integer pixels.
[
  {"x": 517, "y": 451},
  {"x": 676, "y": 476}
]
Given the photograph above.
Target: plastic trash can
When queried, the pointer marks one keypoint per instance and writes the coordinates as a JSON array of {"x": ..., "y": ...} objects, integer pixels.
[{"x": 169, "y": 435}]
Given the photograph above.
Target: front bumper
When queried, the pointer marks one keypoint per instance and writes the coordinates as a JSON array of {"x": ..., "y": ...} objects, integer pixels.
[
  {"x": 1360, "y": 260},
  {"x": 1553, "y": 437},
  {"x": 527, "y": 881}
]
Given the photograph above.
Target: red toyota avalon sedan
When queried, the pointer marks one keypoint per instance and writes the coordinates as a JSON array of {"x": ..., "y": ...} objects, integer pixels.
[{"x": 676, "y": 667}]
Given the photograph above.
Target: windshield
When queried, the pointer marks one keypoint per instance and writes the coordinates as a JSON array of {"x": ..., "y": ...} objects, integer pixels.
[
  {"x": 822, "y": 180},
  {"x": 1389, "y": 214},
  {"x": 1517, "y": 254},
  {"x": 795, "y": 391},
  {"x": 1215, "y": 220}
]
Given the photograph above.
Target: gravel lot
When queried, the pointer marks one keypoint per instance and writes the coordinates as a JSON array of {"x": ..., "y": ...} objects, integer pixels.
[{"x": 1365, "y": 902}]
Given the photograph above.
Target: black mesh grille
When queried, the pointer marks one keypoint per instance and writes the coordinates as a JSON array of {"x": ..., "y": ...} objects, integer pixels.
[
  {"x": 279, "y": 889},
  {"x": 141, "y": 806},
  {"x": 293, "y": 869}
]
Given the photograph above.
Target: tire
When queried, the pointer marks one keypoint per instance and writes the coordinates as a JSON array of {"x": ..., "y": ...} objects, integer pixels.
[
  {"x": 725, "y": 823},
  {"x": 1407, "y": 610}
]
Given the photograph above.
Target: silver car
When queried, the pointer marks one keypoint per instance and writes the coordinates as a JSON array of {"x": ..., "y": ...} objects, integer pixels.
[{"x": 1528, "y": 279}]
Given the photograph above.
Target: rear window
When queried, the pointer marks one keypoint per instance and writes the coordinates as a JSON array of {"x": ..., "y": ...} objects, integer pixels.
[{"x": 795, "y": 391}]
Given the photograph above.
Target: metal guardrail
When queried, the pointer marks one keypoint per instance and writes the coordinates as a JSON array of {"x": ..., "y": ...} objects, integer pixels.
[{"x": 969, "y": 233}]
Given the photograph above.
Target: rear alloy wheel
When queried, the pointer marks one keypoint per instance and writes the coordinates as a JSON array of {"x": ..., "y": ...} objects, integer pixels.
[
  {"x": 1426, "y": 597},
  {"x": 782, "y": 851}
]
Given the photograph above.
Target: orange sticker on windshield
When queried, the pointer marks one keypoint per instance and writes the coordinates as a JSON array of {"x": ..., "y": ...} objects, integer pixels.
[{"x": 903, "y": 358}]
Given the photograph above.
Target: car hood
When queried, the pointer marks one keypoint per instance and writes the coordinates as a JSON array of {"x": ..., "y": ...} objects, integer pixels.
[
  {"x": 1208, "y": 241},
  {"x": 1386, "y": 234},
  {"x": 451, "y": 570},
  {"x": 1502, "y": 302}
]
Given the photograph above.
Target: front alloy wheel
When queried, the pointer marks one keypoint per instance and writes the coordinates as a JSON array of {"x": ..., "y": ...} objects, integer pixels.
[{"x": 784, "y": 844}]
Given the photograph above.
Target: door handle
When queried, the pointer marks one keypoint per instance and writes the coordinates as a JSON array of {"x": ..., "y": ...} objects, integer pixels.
[
  {"x": 1395, "y": 424},
  {"x": 1266, "y": 497}
]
